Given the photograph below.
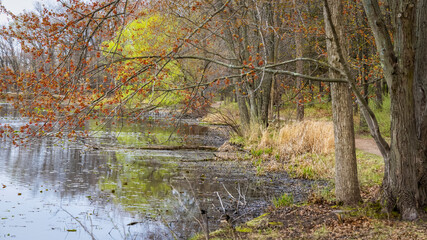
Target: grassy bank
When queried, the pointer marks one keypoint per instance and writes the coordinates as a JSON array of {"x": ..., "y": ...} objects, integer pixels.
[{"x": 306, "y": 150}]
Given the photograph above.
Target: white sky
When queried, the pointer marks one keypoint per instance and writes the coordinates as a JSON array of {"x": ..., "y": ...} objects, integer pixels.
[{"x": 18, "y": 6}]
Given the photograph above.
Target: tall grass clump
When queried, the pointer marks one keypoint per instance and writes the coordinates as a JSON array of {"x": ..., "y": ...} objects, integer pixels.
[
  {"x": 300, "y": 138},
  {"x": 304, "y": 149}
]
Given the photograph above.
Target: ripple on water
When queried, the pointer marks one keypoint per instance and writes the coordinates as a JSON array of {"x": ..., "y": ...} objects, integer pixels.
[{"x": 63, "y": 192}]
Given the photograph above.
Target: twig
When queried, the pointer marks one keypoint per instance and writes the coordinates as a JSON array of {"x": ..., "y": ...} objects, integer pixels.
[
  {"x": 228, "y": 192},
  {"x": 81, "y": 224},
  {"x": 238, "y": 201},
  {"x": 222, "y": 205}
]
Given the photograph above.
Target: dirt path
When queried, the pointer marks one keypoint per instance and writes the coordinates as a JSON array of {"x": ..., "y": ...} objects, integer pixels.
[{"x": 367, "y": 145}]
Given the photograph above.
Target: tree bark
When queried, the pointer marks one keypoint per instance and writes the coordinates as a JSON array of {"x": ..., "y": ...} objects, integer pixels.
[
  {"x": 421, "y": 97},
  {"x": 401, "y": 184},
  {"x": 346, "y": 181}
]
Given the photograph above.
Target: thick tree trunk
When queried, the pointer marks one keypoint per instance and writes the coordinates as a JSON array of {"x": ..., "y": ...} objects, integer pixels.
[
  {"x": 346, "y": 181},
  {"x": 401, "y": 185},
  {"x": 421, "y": 97},
  {"x": 253, "y": 105},
  {"x": 401, "y": 182},
  {"x": 265, "y": 99},
  {"x": 272, "y": 97}
]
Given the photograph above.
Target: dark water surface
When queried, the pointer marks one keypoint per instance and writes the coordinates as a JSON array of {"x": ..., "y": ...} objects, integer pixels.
[{"x": 67, "y": 191}]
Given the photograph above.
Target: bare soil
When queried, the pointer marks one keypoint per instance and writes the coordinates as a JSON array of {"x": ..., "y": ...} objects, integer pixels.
[{"x": 367, "y": 145}]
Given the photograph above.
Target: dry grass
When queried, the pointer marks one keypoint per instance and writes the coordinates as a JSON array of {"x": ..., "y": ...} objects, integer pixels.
[
  {"x": 304, "y": 149},
  {"x": 301, "y": 138}
]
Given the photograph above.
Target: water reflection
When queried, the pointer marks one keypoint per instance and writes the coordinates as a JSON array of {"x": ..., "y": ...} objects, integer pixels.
[
  {"x": 156, "y": 132},
  {"x": 50, "y": 191},
  {"x": 60, "y": 192}
]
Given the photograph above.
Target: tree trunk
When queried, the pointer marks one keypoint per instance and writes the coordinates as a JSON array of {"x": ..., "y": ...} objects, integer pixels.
[
  {"x": 346, "y": 181},
  {"x": 299, "y": 69},
  {"x": 234, "y": 49},
  {"x": 363, "y": 125},
  {"x": 272, "y": 97},
  {"x": 241, "y": 103},
  {"x": 378, "y": 95},
  {"x": 266, "y": 83},
  {"x": 421, "y": 97},
  {"x": 401, "y": 184}
]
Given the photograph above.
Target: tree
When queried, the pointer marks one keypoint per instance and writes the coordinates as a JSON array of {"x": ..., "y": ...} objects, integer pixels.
[
  {"x": 404, "y": 185},
  {"x": 346, "y": 181},
  {"x": 405, "y": 160},
  {"x": 299, "y": 65}
]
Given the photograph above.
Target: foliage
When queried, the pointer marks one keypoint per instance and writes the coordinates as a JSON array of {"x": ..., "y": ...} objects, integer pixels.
[
  {"x": 147, "y": 36},
  {"x": 238, "y": 140}
]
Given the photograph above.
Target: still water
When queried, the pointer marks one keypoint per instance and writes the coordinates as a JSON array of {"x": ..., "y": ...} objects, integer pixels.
[{"x": 67, "y": 191}]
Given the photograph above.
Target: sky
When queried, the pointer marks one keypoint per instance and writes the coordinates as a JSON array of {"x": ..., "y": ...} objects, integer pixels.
[{"x": 18, "y": 6}]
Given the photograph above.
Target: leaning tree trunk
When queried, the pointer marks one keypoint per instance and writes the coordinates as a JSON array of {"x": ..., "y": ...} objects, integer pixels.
[{"x": 346, "y": 181}]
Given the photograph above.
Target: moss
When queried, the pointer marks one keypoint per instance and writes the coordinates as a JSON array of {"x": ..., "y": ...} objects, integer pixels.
[
  {"x": 243, "y": 229},
  {"x": 259, "y": 221},
  {"x": 275, "y": 223}
]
